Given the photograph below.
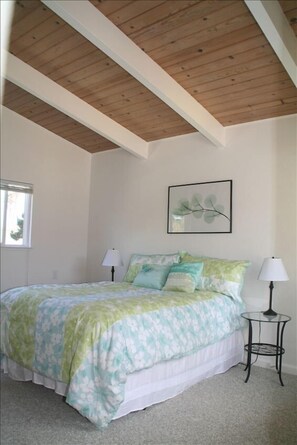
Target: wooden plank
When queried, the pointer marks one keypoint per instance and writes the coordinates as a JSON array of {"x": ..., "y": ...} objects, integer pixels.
[
  {"x": 243, "y": 77},
  {"x": 25, "y": 52},
  {"x": 253, "y": 101},
  {"x": 192, "y": 79},
  {"x": 266, "y": 113},
  {"x": 49, "y": 61},
  {"x": 23, "y": 8},
  {"x": 46, "y": 116},
  {"x": 75, "y": 59},
  {"x": 34, "y": 17},
  {"x": 11, "y": 92},
  {"x": 20, "y": 102},
  {"x": 290, "y": 9},
  {"x": 209, "y": 46},
  {"x": 164, "y": 133},
  {"x": 124, "y": 95},
  {"x": 241, "y": 87},
  {"x": 198, "y": 40},
  {"x": 108, "y": 77},
  {"x": 118, "y": 87},
  {"x": 181, "y": 32},
  {"x": 40, "y": 30},
  {"x": 227, "y": 56},
  {"x": 136, "y": 110},
  {"x": 102, "y": 69},
  {"x": 37, "y": 84},
  {"x": 163, "y": 20},
  {"x": 30, "y": 113},
  {"x": 250, "y": 92},
  {"x": 205, "y": 69},
  {"x": 87, "y": 137},
  {"x": 130, "y": 10},
  {"x": 292, "y": 18},
  {"x": 91, "y": 141},
  {"x": 156, "y": 17},
  {"x": 288, "y": 5},
  {"x": 201, "y": 75},
  {"x": 115, "y": 44},
  {"x": 75, "y": 131},
  {"x": 109, "y": 7},
  {"x": 155, "y": 123}
]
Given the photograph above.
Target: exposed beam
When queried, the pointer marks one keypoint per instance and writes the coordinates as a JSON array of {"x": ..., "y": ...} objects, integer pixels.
[
  {"x": 94, "y": 26},
  {"x": 39, "y": 85},
  {"x": 275, "y": 26},
  {"x": 6, "y": 12}
]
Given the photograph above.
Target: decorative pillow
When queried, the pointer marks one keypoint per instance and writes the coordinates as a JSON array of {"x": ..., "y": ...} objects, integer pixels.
[
  {"x": 184, "y": 277},
  {"x": 152, "y": 276},
  {"x": 220, "y": 275},
  {"x": 137, "y": 261}
]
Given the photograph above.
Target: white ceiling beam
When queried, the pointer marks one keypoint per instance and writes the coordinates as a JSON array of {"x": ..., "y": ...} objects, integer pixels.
[
  {"x": 274, "y": 24},
  {"x": 36, "y": 83},
  {"x": 6, "y": 13},
  {"x": 94, "y": 26}
]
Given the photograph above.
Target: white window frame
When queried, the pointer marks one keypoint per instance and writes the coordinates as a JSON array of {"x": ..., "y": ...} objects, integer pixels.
[{"x": 19, "y": 187}]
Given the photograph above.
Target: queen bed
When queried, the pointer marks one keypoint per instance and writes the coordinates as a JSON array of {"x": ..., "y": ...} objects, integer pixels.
[{"x": 113, "y": 348}]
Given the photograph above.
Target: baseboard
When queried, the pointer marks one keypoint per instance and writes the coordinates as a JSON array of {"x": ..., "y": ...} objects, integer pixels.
[{"x": 270, "y": 364}]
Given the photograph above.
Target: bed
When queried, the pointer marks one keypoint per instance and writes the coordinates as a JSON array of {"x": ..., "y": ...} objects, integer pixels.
[{"x": 114, "y": 348}]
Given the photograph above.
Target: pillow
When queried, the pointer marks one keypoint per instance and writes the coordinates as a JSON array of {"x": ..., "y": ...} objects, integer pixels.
[
  {"x": 152, "y": 276},
  {"x": 137, "y": 261},
  {"x": 220, "y": 275},
  {"x": 184, "y": 277}
]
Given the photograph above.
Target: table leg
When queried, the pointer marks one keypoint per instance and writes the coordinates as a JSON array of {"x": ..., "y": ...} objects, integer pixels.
[
  {"x": 277, "y": 347},
  {"x": 248, "y": 365},
  {"x": 281, "y": 355}
]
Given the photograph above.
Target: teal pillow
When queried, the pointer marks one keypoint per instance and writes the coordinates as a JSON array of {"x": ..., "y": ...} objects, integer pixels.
[
  {"x": 184, "y": 277},
  {"x": 153, "y": 276}
]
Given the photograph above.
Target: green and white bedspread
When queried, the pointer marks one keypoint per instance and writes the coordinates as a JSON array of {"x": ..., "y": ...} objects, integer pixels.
[{"x": 92, "y": 336}]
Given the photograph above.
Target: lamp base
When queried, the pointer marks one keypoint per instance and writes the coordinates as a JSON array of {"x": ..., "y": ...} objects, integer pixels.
[{"x": 270, "y": 312}]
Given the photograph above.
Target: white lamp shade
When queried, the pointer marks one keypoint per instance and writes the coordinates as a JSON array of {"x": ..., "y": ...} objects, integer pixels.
[
  {"x": 273, "y": 269},
  {"x": 112, "y": 258}
]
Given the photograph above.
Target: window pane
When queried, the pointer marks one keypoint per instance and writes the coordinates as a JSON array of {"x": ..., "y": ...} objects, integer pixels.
[
  {"x": 15, "y": 218},
  {"x": 2, "y": 212}
]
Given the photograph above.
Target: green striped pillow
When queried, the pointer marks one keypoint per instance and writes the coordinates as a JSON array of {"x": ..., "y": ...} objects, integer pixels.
[{"x": 184, "y": 277}]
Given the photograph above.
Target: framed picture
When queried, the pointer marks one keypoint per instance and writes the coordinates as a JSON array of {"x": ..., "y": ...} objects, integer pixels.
[{"x": 205, "y": 207}]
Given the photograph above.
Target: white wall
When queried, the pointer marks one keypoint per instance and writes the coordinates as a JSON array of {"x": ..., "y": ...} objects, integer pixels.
[
  {"x": 60, "y": 174},
  {"x": 128, "y": 206}
]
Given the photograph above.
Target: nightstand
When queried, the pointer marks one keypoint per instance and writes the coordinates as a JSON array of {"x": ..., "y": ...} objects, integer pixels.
[{"x": 276, "y": 350}]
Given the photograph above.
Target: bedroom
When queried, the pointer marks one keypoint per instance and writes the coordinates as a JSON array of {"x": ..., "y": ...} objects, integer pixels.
[{"x": 114, "y": 199}]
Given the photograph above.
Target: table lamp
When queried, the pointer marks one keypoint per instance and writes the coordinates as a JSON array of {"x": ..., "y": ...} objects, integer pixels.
[
  {"x": 112, "y": 258},
  {"x": 272, "y": 270}
]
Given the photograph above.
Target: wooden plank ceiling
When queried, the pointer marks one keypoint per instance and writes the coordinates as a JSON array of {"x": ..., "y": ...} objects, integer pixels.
[{"x": 214, "y": 49}]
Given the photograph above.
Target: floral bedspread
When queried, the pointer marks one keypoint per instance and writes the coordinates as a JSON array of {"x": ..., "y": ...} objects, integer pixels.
[{"x": 91, "y": 336}]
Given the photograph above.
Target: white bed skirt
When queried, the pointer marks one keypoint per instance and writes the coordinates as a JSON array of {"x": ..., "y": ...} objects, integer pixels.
[{"x": 159, "y": 383}]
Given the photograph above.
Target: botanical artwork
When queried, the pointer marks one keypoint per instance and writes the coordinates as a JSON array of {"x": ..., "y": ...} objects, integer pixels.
[{"x": 200, "y": 208}]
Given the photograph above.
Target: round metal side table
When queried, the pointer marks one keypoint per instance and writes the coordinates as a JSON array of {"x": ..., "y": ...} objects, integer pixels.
[{"x": 276, "y": 350}]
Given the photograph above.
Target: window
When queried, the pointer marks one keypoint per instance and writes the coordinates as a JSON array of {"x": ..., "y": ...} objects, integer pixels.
[{"x": 16, "y": 209}]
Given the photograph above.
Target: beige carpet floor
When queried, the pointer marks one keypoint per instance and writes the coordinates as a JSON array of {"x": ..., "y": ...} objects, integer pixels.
[{"x": 222, "y": 410}]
